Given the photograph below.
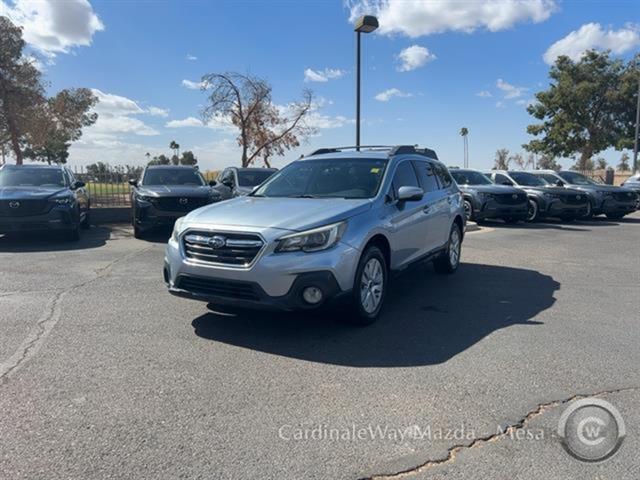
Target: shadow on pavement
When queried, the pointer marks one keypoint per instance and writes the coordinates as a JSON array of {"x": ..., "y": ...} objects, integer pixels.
[
  {"x": 428, "y": 320},
  {"x": 94, "y": 237}
]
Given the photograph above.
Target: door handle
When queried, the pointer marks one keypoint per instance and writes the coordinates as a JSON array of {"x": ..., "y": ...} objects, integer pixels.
[{"x": 426, "y": 209}]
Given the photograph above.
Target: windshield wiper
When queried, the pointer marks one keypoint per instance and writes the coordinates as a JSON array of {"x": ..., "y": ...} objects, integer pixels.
[{"x": 304, "y": 195}]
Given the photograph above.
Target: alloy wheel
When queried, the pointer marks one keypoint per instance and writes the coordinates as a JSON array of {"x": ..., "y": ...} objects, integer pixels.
[{"x": 371, "y": 285}]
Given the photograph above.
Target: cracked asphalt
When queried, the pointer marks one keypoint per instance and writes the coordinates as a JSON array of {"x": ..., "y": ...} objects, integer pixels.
[{"x": 105, "y": 375}]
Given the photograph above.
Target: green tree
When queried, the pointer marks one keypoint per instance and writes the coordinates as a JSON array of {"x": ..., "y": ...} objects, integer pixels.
[
  {"x": 581, "y": 112},
  {"x": 21, "y": 88},
  {"x": 547, "y": 162},
  {"x": 175, "y": 147},
  {"x": 502, "y": 159},
  {"x": 601, "y": 163},
  {"x": 623, "y": 166},
  {"x": 59, "y": 123},
  {"x": 160, "y": 160},
  {"x": 188, "y": 158}
]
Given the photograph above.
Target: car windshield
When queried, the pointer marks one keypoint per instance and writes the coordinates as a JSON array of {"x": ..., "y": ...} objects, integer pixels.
[
  {"x": 528, "y": 179},
  {"x": 172, "y": 176},
  {"x": 577, "y": 178},
  {"x": 252, "y": 178},
  {"x": 469, "y": 177},
  {"x": 31, "y": 177},
  {"x": 331, "y": 178},
  {"x": 550, "y": 178}
]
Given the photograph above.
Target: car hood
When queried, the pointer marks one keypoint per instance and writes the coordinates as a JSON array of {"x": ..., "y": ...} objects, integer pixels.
[
  {"x": 30, "y": 193},
  {"x": 174, "y": 191},
  {"x": 490, "y": 188},
  {"x": 552, "y": 189},
  {"x": 600, "y": 188},
  {"x": 295, "y": 214}
]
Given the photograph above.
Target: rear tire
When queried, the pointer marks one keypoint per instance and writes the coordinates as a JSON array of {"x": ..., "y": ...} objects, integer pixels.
[
  {"x": 449, "y": 261},
  {"x": 369, "y": 287}
]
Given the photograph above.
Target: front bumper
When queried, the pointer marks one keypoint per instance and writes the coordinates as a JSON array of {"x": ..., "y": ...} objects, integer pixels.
[
  {"x": 147, "y": 216},
  {"x": 56, "y": 219},
  {"x": 611, "y": 206},
  {"x": 274, "y": 280},
  {"x": 557, "y": 208},
  {"x": 493, "y": 209}
]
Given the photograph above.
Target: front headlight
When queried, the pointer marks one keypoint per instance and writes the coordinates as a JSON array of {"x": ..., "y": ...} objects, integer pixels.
[
  {"x": 64, "y": 200},
  {"x": 485, "y": 196},
  {"x": 146, "y": 198},
  {"x": 176, "y": 229},
  {"x": 312, "y": 240}
]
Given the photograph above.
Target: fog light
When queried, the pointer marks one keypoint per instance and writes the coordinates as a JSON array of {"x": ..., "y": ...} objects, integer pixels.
[{"x": 312, "y": 295}]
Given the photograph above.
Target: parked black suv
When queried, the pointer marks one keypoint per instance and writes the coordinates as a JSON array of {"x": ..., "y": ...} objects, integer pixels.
[
  {"x": 484, "y": 199},
  {"x": 545, "y": 200},
  {"x": 235, "y": 182},
  {"x": 40, "y": 197},
  {"x": 166, "y": 193},
  {"x": 614, "y": 202}
]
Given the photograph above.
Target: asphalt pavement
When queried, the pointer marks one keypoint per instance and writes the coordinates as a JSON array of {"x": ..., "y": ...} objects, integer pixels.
[{"x": 103, "y": 374}]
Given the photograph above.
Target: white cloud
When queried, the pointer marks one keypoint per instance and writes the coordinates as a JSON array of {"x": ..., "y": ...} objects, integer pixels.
[
  {"x": 592, "y": 36},
  {"x": 500, "y": 104},
  {"x": 54, "y": 26},
  {"x": 414, "y": 57},
  {"x": 219, "y": 122},
  {"x": 510, "y": 91},
  {"x": 116, "y": 116},
  {"x": 322, "y": 75},
  {"x": 191, "y": 58},
  {"x": 191, "y": 85},
  {"x": 158, "y": 112},
  {"x": 415, "y": 18},
  {"x": 388, "y": 94},
  {"x": 484, "y": 94},
  {"x": 321, "y": 121},
  {"x": 185, "y": 122}
]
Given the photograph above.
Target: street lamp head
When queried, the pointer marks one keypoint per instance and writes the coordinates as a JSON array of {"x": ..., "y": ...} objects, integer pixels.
[{"x": 366, "y": 24}]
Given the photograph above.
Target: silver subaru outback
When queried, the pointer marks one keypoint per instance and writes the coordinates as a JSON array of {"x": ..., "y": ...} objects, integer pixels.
[{"x": 333, "y": 225}]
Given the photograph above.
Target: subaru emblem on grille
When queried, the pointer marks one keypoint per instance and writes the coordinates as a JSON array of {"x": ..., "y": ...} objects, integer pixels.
[
  {"x": 514, "y": 196},
  {"x": 183, "y": 201},
  {"x": 14, "y": 204},
  {"x": 578, "y": 197},
  {"x": 217, "y": 241}
]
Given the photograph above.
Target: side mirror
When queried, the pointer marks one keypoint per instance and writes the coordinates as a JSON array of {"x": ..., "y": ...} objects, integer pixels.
[
  {"x": 133, "y": 182},
  {"x": 559, "y": 183},
  {"x": 507, "y": 183},
  {"x": 410, "y": 193},
  {"x": 227, "y": 183},
  {"x": 212, "y": 183},
  {"x": 78, "y": 184}
]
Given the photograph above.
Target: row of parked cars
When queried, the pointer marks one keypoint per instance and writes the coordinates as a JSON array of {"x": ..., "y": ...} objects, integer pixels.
[
  {"x": 530, "y": 195},
  {"x": 332, "y": 226}
]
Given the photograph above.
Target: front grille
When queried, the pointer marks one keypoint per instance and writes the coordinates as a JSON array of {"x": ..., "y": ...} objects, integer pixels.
[
  {"x": 574, "y": 199},
  {"x": 179, "y": 204},
  {"x": 217, "y": 287},
  {"x": 508, "y": 198},
  {"x": 237, "y": 249},
  {"x": 23, "y": 208},
  {"x": 624, "y": 196}
]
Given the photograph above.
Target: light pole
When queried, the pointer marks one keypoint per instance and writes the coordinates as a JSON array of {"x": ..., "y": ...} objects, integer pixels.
[
  {"x": 635, "y": 143},
  {"x": 365, "y": 24}
]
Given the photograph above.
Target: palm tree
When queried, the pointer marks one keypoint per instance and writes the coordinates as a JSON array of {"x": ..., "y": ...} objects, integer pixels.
[
  {"x": 464, "y": 131},
  {"x": 175, "y": 147}
]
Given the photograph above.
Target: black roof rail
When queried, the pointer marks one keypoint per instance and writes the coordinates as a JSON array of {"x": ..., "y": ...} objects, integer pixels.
[
  {"x": 407, "y": 149},
  {"x": 393, "y": 150}
]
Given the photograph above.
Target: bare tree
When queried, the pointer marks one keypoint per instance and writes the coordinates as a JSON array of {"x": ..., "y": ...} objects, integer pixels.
[
  {"x": 502, "y": 159},
  {"x": 518, "y": 159},
  {"x": 245, "y": 102}
]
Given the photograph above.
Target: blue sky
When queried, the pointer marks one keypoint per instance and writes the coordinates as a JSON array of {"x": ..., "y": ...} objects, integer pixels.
[{"x": 473, "y": 64}]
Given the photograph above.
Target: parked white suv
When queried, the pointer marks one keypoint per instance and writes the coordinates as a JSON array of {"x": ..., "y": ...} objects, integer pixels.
[{"x": 332, "y": 225}]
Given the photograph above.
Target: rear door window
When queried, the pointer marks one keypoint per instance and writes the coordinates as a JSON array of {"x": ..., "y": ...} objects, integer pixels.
[{"x": 426, "y": 175}]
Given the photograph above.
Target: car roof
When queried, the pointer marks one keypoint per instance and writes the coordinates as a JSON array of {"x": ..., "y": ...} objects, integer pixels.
[
  {"x": 255, "y": 169},
  {"x": 170, "y": 167},
  {"x": 351, "y": 154},
  {"x": 30, "y": 165}
]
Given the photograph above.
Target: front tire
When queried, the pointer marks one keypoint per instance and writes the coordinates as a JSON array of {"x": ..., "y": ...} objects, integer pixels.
[
  {"x": 86, "y": 223},
  {"x": 370, "y": 287},
  {"x": 73, "y": 235},
  {"x": 589, "y": 214},
  {"x": 532, "y": 211},
  {"x": 468, "y": 210},
  {"x": 449, "y": 261}
]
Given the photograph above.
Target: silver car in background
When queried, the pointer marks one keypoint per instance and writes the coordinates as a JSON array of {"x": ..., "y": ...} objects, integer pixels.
[{"x": 329, "y": 226}]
